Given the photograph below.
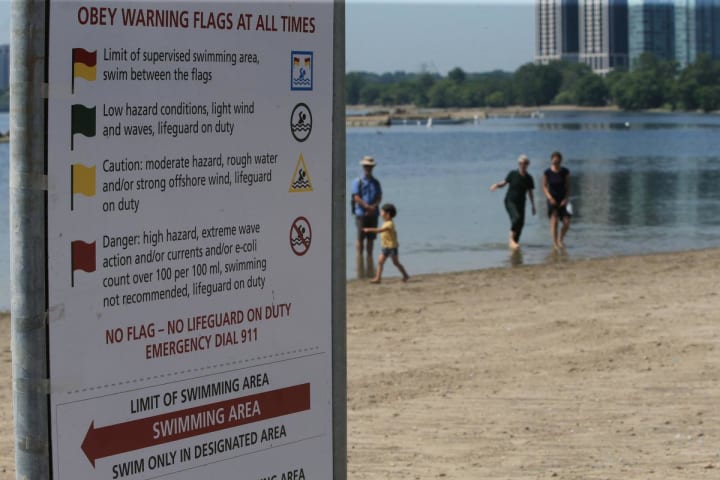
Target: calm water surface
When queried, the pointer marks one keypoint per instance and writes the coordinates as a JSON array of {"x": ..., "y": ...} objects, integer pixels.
[{"x": 640, "y": 184}]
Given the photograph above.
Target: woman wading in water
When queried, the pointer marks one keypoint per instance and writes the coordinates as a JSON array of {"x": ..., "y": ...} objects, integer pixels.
[
  {"x": 520, "y": 183},
  {"x": 556, "y": 185}
]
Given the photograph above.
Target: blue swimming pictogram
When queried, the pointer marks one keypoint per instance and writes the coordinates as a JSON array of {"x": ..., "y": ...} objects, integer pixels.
[{"x": 301, "y": 72}]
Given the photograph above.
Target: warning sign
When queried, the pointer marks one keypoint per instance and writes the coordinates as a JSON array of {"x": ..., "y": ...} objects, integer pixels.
[
  {"x": 301, "y": 181},
  {"x": 170, "y": 167},
  {"x": 300, "y": 236}
]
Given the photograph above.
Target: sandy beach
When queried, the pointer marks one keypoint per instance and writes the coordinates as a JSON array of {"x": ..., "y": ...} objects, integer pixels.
[{"x": 596, "y": 369}]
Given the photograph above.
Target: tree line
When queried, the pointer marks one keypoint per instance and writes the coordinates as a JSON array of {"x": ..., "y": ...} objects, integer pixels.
[{"x": 651, "y": 83}]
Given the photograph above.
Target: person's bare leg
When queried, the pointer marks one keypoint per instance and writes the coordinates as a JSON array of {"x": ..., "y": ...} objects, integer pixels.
[
  {"x": 512, "y": 243},
  {"x": 396, "y": 262},
  {"x": 378, "y": 275},
  {"x": 553, "y": 229},
  {"x": 563, "y": 231}
]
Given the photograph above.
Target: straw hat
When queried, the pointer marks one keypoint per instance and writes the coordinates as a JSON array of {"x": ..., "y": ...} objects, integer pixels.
[{"x": 367, "y": 161}]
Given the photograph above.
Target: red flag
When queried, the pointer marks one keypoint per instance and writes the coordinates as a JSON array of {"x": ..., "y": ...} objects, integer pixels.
[
  {"x": 80, "y": 55},
  {"x": 83, "y": 256}
]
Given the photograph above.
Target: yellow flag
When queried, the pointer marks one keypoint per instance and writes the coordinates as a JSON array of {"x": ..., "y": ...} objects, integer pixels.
[
  {"x": 83, "y": 179},
  {"x": 81, "y": 70}
]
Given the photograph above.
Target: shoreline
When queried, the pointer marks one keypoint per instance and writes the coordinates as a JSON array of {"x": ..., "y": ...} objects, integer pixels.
[
  {"x": 378, "y": 116},
  {"x": 394, "y": 275},
  {"x": 590, "y": 368}
]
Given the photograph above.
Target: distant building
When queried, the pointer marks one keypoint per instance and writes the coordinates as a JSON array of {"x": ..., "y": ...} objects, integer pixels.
[
  {"x": 556, "y": 30},
  {"x": 611, "y": 34},
  {"x": 697, "y": 30},
  {"x": 4, "y": 66},
  {"x": 604, "y": 34},
  {"x": 651, "y": 28}
]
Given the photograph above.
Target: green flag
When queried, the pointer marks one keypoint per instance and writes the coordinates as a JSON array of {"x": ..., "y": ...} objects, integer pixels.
[{"x": 82, "y": 121}]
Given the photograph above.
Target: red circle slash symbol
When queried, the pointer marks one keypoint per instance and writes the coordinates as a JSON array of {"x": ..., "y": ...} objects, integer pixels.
[{"x": 300, "y": 236}]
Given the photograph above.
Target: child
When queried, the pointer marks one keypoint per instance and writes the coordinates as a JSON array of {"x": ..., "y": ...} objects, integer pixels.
[{"x": 388, "y": 242}]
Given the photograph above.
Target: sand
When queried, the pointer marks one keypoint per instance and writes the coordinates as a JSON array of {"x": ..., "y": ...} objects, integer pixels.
[{"x": 599, "y": 369}]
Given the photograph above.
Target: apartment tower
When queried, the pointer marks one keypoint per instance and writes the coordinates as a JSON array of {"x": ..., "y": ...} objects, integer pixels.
[
  {"x": 697, "y": 30},
  {"x": 651, "y": 28},
  {"x": 556, "y": 30},
  {"x": 604, "y": 34}
]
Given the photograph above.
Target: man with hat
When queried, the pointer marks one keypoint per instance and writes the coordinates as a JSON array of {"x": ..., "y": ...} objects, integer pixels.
[{"x": 366, "y": 197}]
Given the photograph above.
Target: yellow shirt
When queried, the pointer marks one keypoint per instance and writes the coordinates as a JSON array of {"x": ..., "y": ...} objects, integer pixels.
[{"x": 388, "y": 238}]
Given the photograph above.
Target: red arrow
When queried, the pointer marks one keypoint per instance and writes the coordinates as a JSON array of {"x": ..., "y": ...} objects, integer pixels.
[{"x": 169, "y": 427}]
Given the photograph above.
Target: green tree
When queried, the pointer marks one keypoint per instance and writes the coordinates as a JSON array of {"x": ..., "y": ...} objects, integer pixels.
[
  {"x": 354, "y": 82},
  {"x": 370, "y": 94},
  {"x": 572, "y": 74},
  {"x": 536, "y": 84},
  {"x": 649, "y": 85},
  {"x": 496, "y": 99},
  {"x": 637, "y": 92},
  {"x": 708, "y": 98},
  {"x": 457, "y": 75},
  {"x": 591, "y": 91},
  {"x": 443, "y": 94},
  {"x": 702, "y": 73}
]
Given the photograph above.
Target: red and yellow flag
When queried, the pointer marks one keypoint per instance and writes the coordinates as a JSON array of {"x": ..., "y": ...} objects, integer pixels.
[{"x": 84, "y": 64}]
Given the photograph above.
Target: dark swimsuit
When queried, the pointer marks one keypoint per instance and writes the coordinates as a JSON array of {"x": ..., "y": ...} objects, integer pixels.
[{"x": 557, "y": 184}]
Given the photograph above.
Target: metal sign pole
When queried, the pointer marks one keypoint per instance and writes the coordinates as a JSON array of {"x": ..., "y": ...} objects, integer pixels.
[
  {"x": 28, "y": 187},
  {"x": 339, "y": 342}
]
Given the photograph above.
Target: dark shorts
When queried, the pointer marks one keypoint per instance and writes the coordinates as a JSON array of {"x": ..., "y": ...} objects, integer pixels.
[
  {"x": 369, "y": 221},
  {"x": 390, "y": 252},
  {"x": 561, "y": 211}
]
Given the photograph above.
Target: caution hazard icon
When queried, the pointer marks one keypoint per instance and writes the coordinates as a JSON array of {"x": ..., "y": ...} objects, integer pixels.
[{"x": 301, "y": 181}]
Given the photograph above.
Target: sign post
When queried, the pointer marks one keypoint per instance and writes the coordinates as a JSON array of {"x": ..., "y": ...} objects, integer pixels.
[{"x": 195, "y": 240}]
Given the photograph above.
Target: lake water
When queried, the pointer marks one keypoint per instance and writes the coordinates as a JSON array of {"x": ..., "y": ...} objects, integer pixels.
[{"x": 641, "y": 184}]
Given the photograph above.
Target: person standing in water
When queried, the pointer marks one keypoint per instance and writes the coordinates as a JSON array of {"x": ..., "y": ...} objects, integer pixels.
[
  {"x": 556, "y": 186},
  {"x": 520, "y": 183},
  {"x": 366, "y": 195}
]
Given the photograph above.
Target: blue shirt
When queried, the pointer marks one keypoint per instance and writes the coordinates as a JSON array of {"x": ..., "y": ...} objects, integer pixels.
[{"x": 369, "y": 190}]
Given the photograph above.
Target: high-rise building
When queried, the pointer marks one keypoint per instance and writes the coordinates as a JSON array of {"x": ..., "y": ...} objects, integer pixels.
[
  {"x": 604, "y": 34},
  {"x": 697, "y": 30},
  {"x": 651, "y": 28},
  {"x": 556, "y": 30},
  {"x": 4, "y": 66}
]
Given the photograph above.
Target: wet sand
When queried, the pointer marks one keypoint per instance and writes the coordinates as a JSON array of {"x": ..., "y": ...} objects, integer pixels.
[{"x": 598, "y": 369}]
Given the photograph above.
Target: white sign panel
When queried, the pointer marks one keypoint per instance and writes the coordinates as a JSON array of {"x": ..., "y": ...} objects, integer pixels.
[{"x": 189, "y": 239}]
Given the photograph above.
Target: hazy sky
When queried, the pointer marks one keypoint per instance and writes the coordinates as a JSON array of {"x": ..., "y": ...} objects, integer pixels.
[
  {"x": 475, "y": 35},
  {"x": 382, "y": 36}
]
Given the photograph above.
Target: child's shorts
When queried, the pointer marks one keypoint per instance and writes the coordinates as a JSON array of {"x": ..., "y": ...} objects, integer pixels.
[{"x": 390, "y": 252}]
